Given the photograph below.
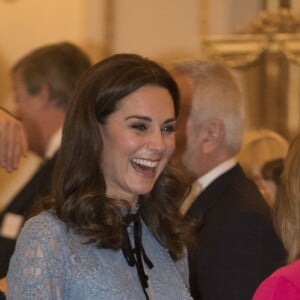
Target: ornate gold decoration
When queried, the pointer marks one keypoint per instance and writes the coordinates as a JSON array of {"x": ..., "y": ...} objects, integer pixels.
[
  {"x": 244, "y": 50},
  {"x": 270, "y": 42},
  {"x": 236, "y": 51},
  {"x": 274, "y": 32},
  {"x": 282, "y": 21}
]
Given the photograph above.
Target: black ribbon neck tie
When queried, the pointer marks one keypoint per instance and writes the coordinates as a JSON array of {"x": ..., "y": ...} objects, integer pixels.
[{"x": 135, "y": 256}]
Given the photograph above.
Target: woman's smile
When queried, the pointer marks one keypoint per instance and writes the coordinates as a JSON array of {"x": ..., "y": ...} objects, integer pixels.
[{"x": 145, "y": 167}]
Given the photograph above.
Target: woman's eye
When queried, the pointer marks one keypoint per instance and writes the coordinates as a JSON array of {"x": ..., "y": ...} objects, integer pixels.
[
  {"x": 139, "y": 126},
  {"x": 168, "y": 129}
]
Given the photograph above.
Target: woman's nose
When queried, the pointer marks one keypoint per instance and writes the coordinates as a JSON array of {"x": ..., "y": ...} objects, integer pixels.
[{"x": 157, "y": 143}]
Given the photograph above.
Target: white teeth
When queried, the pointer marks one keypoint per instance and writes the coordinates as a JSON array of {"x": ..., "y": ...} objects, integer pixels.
[{"x": 146, "y": 163}]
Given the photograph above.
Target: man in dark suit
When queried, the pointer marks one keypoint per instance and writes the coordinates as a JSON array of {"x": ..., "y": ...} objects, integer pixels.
[
  {"x": 236, "y": 244},
  {"x": 42, "y": 82}
]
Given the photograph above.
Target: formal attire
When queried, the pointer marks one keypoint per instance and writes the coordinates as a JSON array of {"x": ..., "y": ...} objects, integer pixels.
[
  {"x": 283, "y": 284},
  {"x": 19, "y": 209},
  {"x": 24, "y": 203},
  {"x": 12, "y": 183},
  {"x": 57, "y": 263},
  {"x": 237, "y": 247}
]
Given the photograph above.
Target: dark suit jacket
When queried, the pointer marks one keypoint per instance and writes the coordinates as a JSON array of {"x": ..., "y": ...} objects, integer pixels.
[
  {"x": 23, "y": 204},
  {"x": 236, "y": 244}
]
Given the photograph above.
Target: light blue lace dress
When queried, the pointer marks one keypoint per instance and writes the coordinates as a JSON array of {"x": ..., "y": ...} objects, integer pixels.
[{"x": 52, "y": 263}]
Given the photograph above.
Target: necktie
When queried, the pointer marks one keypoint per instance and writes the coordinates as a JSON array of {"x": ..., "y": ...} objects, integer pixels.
[{"x": 191, "y": 197}]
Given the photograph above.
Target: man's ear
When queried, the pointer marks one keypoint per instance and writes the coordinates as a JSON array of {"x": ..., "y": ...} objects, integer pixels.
[{"x": 213, "y": 135}]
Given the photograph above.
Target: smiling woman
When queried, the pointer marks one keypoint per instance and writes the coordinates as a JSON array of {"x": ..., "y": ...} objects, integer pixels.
[
  {"x": 138, "y": 141},
  {"x": 115, "y": 231}
]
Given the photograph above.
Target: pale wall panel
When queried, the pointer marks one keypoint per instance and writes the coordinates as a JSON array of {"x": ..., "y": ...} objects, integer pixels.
[
  {"x": 31, "y": 23},
  {"x": 154, "y": 27},
  {"x": 228, "y": 16}
]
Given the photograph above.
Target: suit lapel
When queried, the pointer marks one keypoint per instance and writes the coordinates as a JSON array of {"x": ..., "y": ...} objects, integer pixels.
[
  {"x": 38, "y": 186},
  {"x": 215, "y": 191}
]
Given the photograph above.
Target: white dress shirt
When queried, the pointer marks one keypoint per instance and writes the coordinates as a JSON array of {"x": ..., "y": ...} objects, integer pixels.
[
  {"x": 12, "y": 183},
  {"x": 202, "y": 182}
]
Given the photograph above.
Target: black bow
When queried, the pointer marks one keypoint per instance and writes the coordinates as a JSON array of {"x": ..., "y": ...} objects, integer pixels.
[{"x": 134, "y": 255}]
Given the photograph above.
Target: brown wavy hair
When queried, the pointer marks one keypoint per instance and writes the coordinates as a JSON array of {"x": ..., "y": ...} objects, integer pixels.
[
  {"x": 287, "y": 204},
  {"x": 80, "y": 187}
]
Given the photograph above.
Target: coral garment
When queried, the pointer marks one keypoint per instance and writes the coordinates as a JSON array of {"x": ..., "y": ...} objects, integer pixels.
[{"x": 283, "y": 284}]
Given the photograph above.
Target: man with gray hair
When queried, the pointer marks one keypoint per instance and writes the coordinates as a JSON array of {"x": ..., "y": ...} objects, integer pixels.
[
  {"x": 43, "y": 81},
  {"x": 236, "y": 244}
]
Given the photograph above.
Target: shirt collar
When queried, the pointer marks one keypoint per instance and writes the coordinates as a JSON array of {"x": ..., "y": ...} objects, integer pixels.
[
  {"x": 209, "y": 177},
  {"x": 53, "y": 144}
]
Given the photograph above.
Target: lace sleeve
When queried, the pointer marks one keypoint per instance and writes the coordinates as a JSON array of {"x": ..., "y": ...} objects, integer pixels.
[
  {"x": 183, "y": 269},
  {"x": 37, "y": 267}
]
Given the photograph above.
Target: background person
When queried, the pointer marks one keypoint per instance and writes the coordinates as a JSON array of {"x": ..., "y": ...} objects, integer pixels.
[
  {"x": 260, "y": 147},
  {"x": 236, "y": 244},
  {"x": 284, "y": 283},
  {"x": 112, "y": 172},
  {"x": 42, "y": 83},
  {"x": 271, "y": 176}
]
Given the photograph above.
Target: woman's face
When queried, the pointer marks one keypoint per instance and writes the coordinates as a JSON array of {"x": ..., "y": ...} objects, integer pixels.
[{"x": 138, "y": 141}]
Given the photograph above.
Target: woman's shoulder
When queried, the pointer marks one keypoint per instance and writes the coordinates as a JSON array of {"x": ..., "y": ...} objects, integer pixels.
[
  {"x": 44, "y": 224},
  {"x": 38, "y": 234}
]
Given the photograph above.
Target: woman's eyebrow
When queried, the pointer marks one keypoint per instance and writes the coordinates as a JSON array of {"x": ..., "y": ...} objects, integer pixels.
[
  {"x": 170, "y": 120},
  {"x": 148, "y": 119},
  {"x": 144, "y": 118}
]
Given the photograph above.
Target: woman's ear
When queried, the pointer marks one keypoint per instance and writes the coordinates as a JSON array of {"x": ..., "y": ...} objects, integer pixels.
[{"x": 213, "y": 135}]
